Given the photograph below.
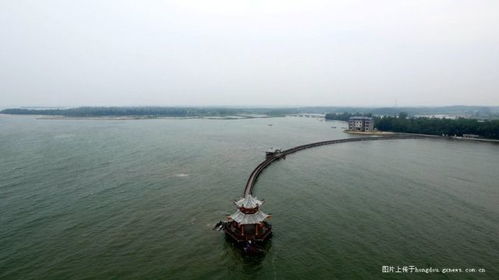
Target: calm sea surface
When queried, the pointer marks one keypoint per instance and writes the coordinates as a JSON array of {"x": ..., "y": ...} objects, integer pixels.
[{"x": 136, "y": 199}]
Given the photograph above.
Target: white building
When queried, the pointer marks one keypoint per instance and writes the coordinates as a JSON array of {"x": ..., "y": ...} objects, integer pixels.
[{"x": 361, "y": 124}]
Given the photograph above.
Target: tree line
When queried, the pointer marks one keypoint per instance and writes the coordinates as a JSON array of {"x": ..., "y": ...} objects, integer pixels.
[
  {"x": 344, "y": 116},
  {"x": 150, "y": 111},
  {"x": 433, "y": 126}
]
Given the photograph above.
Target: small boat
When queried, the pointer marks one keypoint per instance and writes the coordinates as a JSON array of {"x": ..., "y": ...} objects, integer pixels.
[
  {"x": 219, "y": 226},
  {"x": 333, "y": 126}
]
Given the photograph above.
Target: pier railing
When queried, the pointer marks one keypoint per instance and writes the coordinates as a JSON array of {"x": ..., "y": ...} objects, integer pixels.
[{"x": 266, "y": 163}]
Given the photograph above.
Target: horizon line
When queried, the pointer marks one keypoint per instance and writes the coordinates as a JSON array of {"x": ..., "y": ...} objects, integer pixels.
[{"x": 241, "y": 106}]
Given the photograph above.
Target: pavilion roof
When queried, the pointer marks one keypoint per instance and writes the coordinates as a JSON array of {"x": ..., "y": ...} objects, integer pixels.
[
  {"x": 249, "y": 202},
  {"x": 244, "y": 219}
]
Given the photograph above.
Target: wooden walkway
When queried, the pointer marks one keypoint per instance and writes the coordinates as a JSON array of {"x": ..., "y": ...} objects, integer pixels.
[{"x": 266, "y": 163}]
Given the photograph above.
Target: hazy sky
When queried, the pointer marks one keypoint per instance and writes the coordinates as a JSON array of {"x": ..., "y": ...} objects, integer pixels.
[{"x": 361, "y": 53}]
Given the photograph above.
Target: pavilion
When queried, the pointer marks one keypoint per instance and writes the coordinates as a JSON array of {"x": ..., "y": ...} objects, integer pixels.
[{"x": 248, "y": 222}]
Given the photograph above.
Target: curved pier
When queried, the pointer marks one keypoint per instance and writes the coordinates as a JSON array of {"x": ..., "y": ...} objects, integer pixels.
[{"x": 264, "y": 164}]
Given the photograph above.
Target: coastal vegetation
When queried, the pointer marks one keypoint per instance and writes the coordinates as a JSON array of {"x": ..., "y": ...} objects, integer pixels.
[
  {"x": 427, "y": 125},
  {"x": 475, "y": 112},
  {"x": 402, "y": 122},
  {"x": 434, "y": 126},
  {"x": 344, "y": 116},
  {"x": 151, "y": 112},
  {"x": 337, "y": 113}
]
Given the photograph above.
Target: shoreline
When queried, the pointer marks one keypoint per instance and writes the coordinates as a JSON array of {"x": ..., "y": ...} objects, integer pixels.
[
  {"x": 376, "y": 132},
  {"x": 458, "y": 138},
  {"x": 243, "y": 117},
  {"x": 125, "y": 118},
  {"x": 389, "y": 133}
]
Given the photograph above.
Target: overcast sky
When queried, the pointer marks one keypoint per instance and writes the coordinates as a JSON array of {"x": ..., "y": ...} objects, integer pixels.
[{"x": 360, "y": 53}]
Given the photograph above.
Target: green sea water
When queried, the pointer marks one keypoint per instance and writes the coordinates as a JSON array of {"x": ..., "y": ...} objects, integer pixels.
[{"x": 137, "y": 199}]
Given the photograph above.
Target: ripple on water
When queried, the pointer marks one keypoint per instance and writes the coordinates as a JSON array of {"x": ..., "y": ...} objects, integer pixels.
[{"x": 138, "y": 199}]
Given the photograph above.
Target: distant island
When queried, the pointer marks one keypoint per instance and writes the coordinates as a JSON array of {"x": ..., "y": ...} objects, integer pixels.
[
  {"x": 458, "y": 126},
  {"x": 150, "y": 112},
  {"x": 474, "y": 112},
  {"x": 447, "y": 120}
]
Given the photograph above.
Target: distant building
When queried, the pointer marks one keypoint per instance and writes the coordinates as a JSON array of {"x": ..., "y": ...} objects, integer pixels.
[{"x": 361, "y": 124}]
